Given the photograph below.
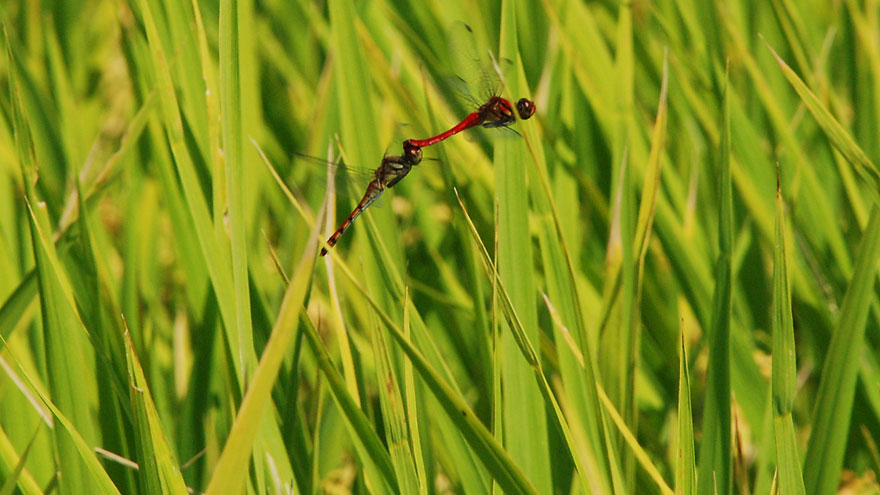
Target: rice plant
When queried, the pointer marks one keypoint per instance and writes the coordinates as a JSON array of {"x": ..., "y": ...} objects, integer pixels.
[{"x": 663, "y": 281}]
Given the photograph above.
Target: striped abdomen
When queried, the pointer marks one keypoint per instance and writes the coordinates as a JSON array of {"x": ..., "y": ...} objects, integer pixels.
[{"x": 374, "y": 190}]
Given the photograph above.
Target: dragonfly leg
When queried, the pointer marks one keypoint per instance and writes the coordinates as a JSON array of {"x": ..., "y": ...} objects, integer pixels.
[
  {"x": 398, "y": 176},
  {"x": 498, "y": 123}
]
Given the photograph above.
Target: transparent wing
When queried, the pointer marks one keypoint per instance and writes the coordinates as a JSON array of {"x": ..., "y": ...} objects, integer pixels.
[
  {"x": 337, "y": 167},
  {"x": 351, "y": 181},
  {"x": 470, "y": 55},
  {"x": 470, "y": 52},
  {"x": 461, "y": 93}
]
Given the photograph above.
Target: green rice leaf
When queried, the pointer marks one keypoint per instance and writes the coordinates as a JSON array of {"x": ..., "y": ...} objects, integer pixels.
[
  {"x": 230, "y": 102},
  {"x": 232, "y": 467},
  {"x": 213, "y": 253},
  {"x": 17, "y": 303},
  {"x": 630, "y": 440},
  {"x": 18, "y": 475},
  {"x": 412, "y": 408},
  {"x": 685, "y": 468},
  {"x": 522, "y": 397},
  {"x": 835, "y": 132},
  {"x": 527, "y": 350},
  {"x": 63, "y": 329},
  {"x": 394, "y": 417},
  {"x": 715, "y": 464},
  {"x": 834, "y": 402},
  {"x": 159, "y": 471},
  {"x": 379, "y": 467},
  {"x": 94, "y": 474},
  {"x": 784, "y": 378}
]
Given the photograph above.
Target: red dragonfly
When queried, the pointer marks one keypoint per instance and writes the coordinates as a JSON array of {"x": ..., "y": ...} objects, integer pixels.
[
  {"x": 496, "y": 111},
  {"x": 392, "y": 170}
]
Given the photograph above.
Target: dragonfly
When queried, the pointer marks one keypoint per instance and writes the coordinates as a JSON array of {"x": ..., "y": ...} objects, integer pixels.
[
  {"x": 495, "y": 112},
  {"x": 392, "y": 170}
]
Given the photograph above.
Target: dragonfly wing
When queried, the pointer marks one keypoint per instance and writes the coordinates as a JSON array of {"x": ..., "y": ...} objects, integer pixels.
[
  {"x": 461, "y": 92},
  {"x": 507, "y": 132},
  {"x": 344, "y": 172},
  {"x": 470, "y": 54}
]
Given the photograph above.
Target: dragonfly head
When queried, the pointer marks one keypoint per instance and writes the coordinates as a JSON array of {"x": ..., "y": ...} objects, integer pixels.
[
  {"x": 525, "y": 107},
  {"x": 412, "y": 153}
]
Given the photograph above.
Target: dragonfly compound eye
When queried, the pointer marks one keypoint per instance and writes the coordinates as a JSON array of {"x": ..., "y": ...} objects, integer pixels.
[{"x": 525, "y": 107}]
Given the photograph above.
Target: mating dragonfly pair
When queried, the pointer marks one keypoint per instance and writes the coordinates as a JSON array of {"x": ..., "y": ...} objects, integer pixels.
[{"x": 496, "y": 112}]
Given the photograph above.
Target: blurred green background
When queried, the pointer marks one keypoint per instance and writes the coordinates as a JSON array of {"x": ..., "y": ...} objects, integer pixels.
[{"x": 663, "y": 282}]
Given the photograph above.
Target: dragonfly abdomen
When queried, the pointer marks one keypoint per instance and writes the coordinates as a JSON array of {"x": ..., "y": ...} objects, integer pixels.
[
  {"x": 374, "y": 190},
  {"x": 475, "y": 118}
]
